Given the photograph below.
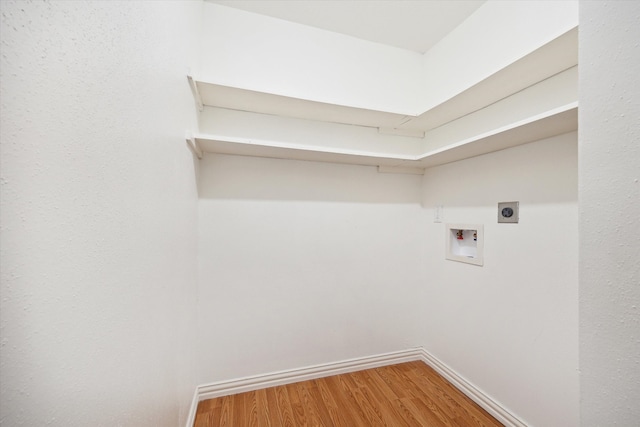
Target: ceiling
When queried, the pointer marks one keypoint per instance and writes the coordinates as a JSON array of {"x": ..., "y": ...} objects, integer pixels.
[{"x": 415, "y": 25}]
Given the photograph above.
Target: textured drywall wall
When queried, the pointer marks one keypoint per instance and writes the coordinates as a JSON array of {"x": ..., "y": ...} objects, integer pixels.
[
  {"x": 302, "y": 263},
  {"x": 510, "y": 327},
  {"x": 98, "y": 201},
  {"x": 609, "y": 195}
]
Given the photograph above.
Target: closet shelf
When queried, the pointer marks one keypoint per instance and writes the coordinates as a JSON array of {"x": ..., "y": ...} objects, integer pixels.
[{"x": 550, "y": 123}]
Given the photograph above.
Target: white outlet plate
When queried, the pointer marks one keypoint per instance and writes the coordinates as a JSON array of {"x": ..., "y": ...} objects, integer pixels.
[{"x": 508, "y": 212}]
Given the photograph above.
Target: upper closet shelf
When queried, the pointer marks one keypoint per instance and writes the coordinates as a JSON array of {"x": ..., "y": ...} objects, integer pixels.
[
  {"x": 233, "y": 98},
  {"x": 550, "y": 123}
]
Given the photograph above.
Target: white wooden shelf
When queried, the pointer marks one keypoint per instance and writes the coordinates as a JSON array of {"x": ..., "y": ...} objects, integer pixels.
[
  {"x": 215, "y": 95},
  {"x": 550, "y": 123},
  {"x": 531, "y": 98},
  {"x": 544, "y": 125}
]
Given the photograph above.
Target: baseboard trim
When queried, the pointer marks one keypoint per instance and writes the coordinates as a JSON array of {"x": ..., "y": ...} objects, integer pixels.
[
  {"x": 223, "y": 388},
  {"x": 191, "y": 417},
  {"x": 241, "y": 385},
  {"x": 487, "y": 403}
]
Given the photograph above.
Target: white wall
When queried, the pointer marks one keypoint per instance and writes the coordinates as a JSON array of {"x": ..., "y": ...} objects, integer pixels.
[
  {"x": 98, "y": 213},
  {"x": 256, "y": 52},
  {"x": 509, "y": 327},
  {"x": 609, "y": 213},
  {"x": 494, "y": 36},
  {"x": 303, "y": 263}
]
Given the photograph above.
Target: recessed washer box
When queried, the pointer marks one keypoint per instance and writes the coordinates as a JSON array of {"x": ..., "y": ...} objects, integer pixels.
[{"x": 465, "y": 243}]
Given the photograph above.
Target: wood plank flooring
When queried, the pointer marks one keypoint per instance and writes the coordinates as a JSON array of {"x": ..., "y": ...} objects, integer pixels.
[{"x": 407, "y": 394}]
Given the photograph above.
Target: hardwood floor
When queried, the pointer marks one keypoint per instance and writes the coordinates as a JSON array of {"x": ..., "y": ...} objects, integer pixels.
[{"x": 408, "y": 394}]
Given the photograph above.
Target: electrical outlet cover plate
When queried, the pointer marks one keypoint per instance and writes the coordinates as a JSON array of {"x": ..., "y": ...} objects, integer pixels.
[{"x": 508, "y": 212}]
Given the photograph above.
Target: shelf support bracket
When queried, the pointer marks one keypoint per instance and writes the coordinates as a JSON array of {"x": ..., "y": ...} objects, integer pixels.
[
  {"x": 195, "y": 92},
  {"x": 194, "y": 145}
]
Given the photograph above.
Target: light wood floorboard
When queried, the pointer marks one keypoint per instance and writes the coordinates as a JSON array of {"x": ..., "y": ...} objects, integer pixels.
[{"x": 407, "y": 394}]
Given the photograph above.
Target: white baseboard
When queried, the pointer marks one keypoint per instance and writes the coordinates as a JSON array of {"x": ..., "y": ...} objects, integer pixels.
[
  {"x": 241, "y": 385},
  {"x": 191, "y": 418},
  {"x": 223, "y": 388},
  {"x": 483, "y": 400}
]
